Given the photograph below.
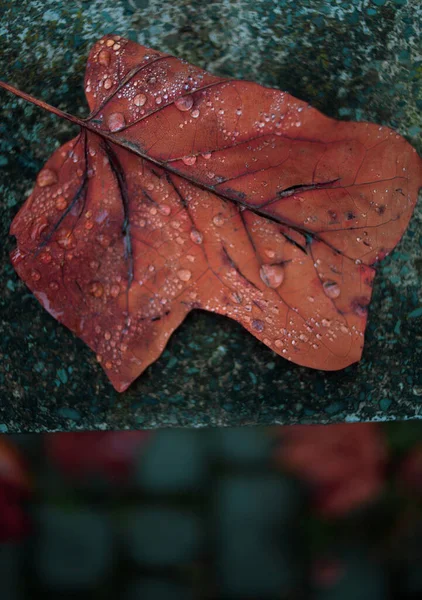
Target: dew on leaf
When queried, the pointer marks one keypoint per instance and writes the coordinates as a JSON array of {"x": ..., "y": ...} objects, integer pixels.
[
  {"x": 96, "y": 289},
  {"x": 196, "y": 236},
  {"x": 184, "y": 103},
  {"x": 331, "y": 289},
  {"x": 257, "y": 325},
  {"x": 46, "y": 177},
  {"x": 116, "y": 121},
  {"x": 272, "y": 275},
  {"x": 184, "y": 274},
  {"x": 139, "y": 100},
  {"x": 61, "y": 203},
  {"x": 104, "y": 57},
  {"x": 189, "y": 160}
]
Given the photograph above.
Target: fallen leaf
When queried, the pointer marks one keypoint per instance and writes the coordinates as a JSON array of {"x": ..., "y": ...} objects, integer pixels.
[{"x": 184, "y": 190}]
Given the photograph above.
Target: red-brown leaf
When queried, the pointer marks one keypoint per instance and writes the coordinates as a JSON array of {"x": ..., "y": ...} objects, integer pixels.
[{"x": 184, "y": 190}]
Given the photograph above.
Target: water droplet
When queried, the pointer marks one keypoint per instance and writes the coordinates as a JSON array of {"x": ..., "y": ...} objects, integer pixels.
[
  {"x": 258, "y": 325},
  {"x": 152, "y": 210},
  {"x": 39, "y": 226},
  {"x": 303, "y": 337},
  {"x": 53, "y": 285},
  {"x": 109, "y": 43},
  {"x": 96, "y": 289},
  {"x": 46, "y": 258},
  {"x": 46, "y": 177},
  {"x": 104, "y": 58},
  {"x": 61, "y": 203},
  {"x": 35, "y": 275},
  {"x": 278, "y": 343},
  {"x": 115, "y": 290},
  {"x": 207, "y": 155},
  {"x": 108, "y": 365},
  {"x": 189, "y": 160},
  {"x": 331, "y": 289},
  {"x": 236, "y": 297},
  {"x": 218, "y": 220},
  {"x": 139, "y": 99},
  {"x": 325, "y": 322},
  {"x": 270, "y": 253},
  {"x": 116, "y": 47},
  {"x": 272, "y": 275},
  {"x": 164, "y": 209},
  {"x": 195, "y": 113},
  {"x": 184, "y": 103},
  {"x": 184, "y": 274},
  {"x": 107, "y": 84},
  {"x": 196, "y": 236},
  {"x": 116, "y": 121},
  {"x": 65, "y": 239},
  {"x": 89, "y": 225},
  {"x": 107, "y": 335}
]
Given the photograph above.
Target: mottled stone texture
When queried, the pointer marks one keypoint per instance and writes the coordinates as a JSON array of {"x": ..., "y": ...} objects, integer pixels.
[{"x": 354, "y": 60}]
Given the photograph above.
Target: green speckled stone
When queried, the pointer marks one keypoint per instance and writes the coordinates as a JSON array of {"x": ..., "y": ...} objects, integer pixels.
[{"x": 353, "y": 60}]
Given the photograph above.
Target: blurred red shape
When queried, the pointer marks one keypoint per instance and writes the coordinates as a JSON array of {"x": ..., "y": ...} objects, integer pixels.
[
  {"x": 343, "y": 464},
  {"x": 410, "y": 475},
  {"x": 14, "y": 490},
  {"x": 110, "y": 453}
]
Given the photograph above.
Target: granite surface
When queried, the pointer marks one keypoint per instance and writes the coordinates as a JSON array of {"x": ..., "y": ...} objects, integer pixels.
[{"x": 358, "y": 60}]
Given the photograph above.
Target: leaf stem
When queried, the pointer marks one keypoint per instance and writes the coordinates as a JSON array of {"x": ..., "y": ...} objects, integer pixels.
[{"x": 42, "y": 104}]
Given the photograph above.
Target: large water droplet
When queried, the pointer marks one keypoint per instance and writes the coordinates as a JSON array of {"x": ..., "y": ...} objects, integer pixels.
[
  {"x": 139, "y": 99},
  {"x": 39, "y": 226},
  {"x": 218, "y": 220},
  {"x": 195, "y": 113},
  {"x": 108, "y": 83},
  {"x": 196, "y": 236},
  {"x": 184, "y": 103},
  {"x": 184, "y": 274},
  {"x": 46, "y": 177},
  {"x": 35, "y": 275},
  {"x": 116, "y": 121},
  {"x": 61, "y": 203},
  {"x": 258, "y": 325},
  {"x": 272, "y": 275},
  {"x": 189, "y": 160},
  {"x": 331, "y": 289},
  {"x": 96, "y": 289},
  {"x": 164, "y": 209},
  {"x": 104, "y": 58}
]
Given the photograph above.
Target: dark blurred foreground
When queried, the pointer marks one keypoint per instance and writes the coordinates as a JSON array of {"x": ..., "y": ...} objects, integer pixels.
[{"x": 320, "y": 512}]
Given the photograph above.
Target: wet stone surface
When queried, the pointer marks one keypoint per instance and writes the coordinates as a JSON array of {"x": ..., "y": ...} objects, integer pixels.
[{"x": 353, "y": 60}]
